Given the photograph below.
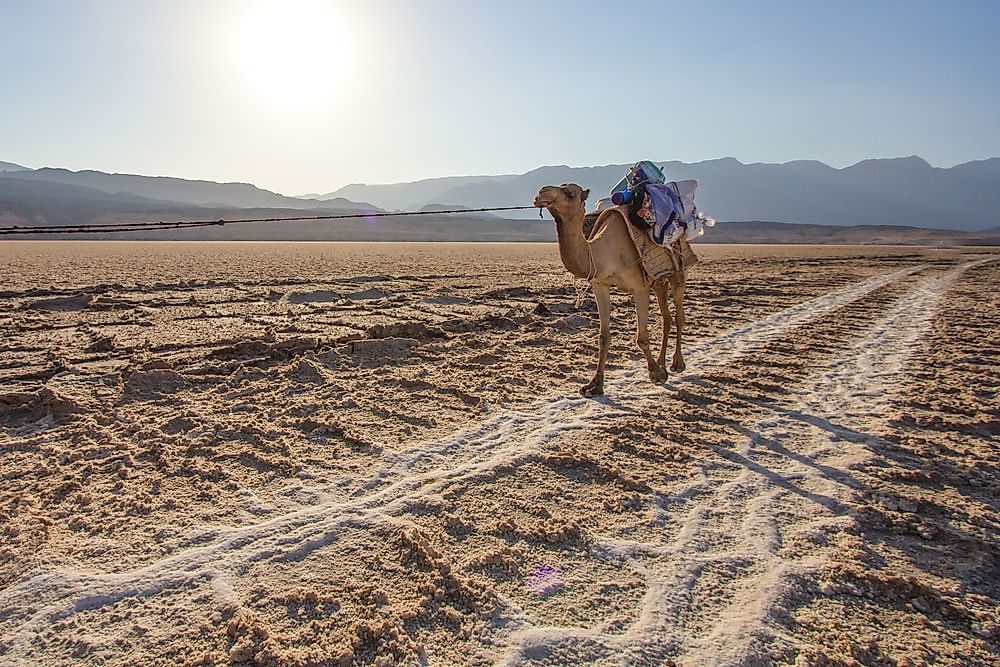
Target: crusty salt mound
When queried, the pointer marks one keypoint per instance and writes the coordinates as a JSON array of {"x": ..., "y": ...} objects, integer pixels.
[{"x": 26, "y": 407}]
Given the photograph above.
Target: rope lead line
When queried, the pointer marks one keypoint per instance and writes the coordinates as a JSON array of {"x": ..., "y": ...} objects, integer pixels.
[{"x": 109, "y": 227}]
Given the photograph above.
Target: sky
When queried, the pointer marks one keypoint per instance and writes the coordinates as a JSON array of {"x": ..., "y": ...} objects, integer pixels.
[{"x": 304, "y": 96}]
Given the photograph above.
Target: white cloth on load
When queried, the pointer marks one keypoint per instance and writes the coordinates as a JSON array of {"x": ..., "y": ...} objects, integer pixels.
[
  {"x": 695, "y": 219},
  {"x": 684, "y": 191},
  {"x": 690, "y": 218}
]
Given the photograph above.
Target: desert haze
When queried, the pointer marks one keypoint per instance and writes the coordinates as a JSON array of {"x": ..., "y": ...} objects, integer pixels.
[
  {"x": 335, "y": 454},
  {"x": 887, "y": 201}
]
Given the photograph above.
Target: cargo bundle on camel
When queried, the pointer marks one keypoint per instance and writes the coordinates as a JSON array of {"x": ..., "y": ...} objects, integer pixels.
[{"x": 616, "y": 246}]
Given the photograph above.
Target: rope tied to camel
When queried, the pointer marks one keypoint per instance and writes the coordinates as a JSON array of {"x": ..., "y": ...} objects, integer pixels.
[
  {"x": 581, "y": 290},
  {"x": 112, "y": 227}
]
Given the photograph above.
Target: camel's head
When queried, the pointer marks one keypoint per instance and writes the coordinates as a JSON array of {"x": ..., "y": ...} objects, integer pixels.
[{"x": 563, "y": 201}]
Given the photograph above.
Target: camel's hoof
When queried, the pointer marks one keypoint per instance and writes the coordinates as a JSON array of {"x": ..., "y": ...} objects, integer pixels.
[
  {"x": 658, "y": 375},
  {"x": 589, "y": 391},
  {"x": 677, "y": 366}
]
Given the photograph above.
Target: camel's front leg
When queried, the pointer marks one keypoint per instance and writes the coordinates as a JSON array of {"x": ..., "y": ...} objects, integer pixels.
[
  {"x": 660, "y": 287},
  {"x": 602, "y": 294},
  {"x": 677, "y": 287},
  {"x": 641, "y": 298}
]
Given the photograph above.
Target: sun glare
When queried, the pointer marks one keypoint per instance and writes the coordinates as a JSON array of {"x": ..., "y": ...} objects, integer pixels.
[{"x": 292, "y": 51}]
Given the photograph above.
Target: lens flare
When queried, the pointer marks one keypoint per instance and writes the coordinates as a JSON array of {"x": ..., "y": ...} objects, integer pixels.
[{"x": 545, "y": 580}]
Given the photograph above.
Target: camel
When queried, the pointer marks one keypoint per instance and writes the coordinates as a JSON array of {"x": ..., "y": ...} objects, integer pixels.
[{"x": 607, "y": 259}]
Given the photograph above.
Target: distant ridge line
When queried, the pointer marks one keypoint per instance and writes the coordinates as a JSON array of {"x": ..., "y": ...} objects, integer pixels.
[{"x": 878, "y": 191}]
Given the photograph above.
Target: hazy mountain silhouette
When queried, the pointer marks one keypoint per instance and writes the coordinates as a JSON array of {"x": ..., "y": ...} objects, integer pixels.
[
  {"x": 10, "y": 166},
  {"x": 900, "y": 191},
  {"x": 896, "y": 191},
  {"x": 32, "y": 202},
  {"x": 26, "y": 202},
  {"x": 201, "y": 193},
  {"x": 413, "y": 195},
  {"x": 43, "y": 203}
]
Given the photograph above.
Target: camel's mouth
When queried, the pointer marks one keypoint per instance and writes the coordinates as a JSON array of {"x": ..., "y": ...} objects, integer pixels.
[{"x": 540, "y": 203}]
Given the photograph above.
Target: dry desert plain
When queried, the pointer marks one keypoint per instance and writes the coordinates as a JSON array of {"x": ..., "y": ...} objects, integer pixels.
[{"x": 336, "y": 453}]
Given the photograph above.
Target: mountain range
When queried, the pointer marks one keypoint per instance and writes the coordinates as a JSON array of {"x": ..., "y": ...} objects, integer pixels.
[
  {"x": 898, "y": 191},
  {"x": 410, "y": 196},
  {"x": 11, "y": 167},
  {"x": 26, "y": 201},
  {"x": 180, "y": 190}
]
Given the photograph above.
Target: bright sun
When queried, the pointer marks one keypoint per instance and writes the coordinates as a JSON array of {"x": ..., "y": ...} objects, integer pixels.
[{"x": 292, "y": 51}]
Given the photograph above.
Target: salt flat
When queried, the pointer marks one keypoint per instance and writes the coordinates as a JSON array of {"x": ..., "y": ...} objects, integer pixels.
[{"x": 338, "y": 453}]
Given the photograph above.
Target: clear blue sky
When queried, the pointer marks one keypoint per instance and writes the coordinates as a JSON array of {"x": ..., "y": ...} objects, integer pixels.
[{"x": 308, "y": 95}]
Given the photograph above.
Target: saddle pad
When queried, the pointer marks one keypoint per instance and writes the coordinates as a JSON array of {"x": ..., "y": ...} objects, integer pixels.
[{"x": 657, "y": 260}]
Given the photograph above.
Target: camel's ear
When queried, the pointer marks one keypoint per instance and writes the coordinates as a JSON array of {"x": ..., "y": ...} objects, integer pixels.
[{"x": 585, "y": 193}]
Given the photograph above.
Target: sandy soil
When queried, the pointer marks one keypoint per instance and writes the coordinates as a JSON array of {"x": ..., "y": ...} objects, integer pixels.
[{"x": 335, "y": 454}]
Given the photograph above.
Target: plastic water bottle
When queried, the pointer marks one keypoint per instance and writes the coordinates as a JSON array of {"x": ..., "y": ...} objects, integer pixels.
[{"x": 621, "y": 197}]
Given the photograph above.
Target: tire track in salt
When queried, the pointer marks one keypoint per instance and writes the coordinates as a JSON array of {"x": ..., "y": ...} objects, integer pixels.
[
  {"x": 860, "y": 383},
  {"x": 830, "y": 424},
  {"x": 504, "y": 440},
  {"x": 773, "y": 554}
]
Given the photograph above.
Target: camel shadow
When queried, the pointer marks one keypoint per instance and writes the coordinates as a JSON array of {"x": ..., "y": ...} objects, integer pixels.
[
  {"x": 605, "y": 400},
  {"x": 829, "y": 503},
  {"x": 931, "y": 552},
  {"x": 773, "y": 445}
]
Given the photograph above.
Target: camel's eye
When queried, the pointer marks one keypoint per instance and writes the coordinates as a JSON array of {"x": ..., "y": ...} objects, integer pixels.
[{"x": 569, "y": 193}]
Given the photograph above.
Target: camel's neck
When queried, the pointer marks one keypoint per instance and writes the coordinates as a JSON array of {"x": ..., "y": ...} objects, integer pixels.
[{"x": 573, "y": 247}]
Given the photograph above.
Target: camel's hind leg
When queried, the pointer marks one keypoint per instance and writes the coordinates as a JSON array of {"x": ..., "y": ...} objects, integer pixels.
[
  {"x": 656, "y": 370},
  {"x": 660, "y": 288},
  {"x": 602, "y": 294},
  {"x": 677, "y": 289}
]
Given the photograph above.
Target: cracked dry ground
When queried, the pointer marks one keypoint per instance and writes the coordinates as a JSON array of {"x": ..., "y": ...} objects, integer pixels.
[{"x": 326, "y": 454}]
